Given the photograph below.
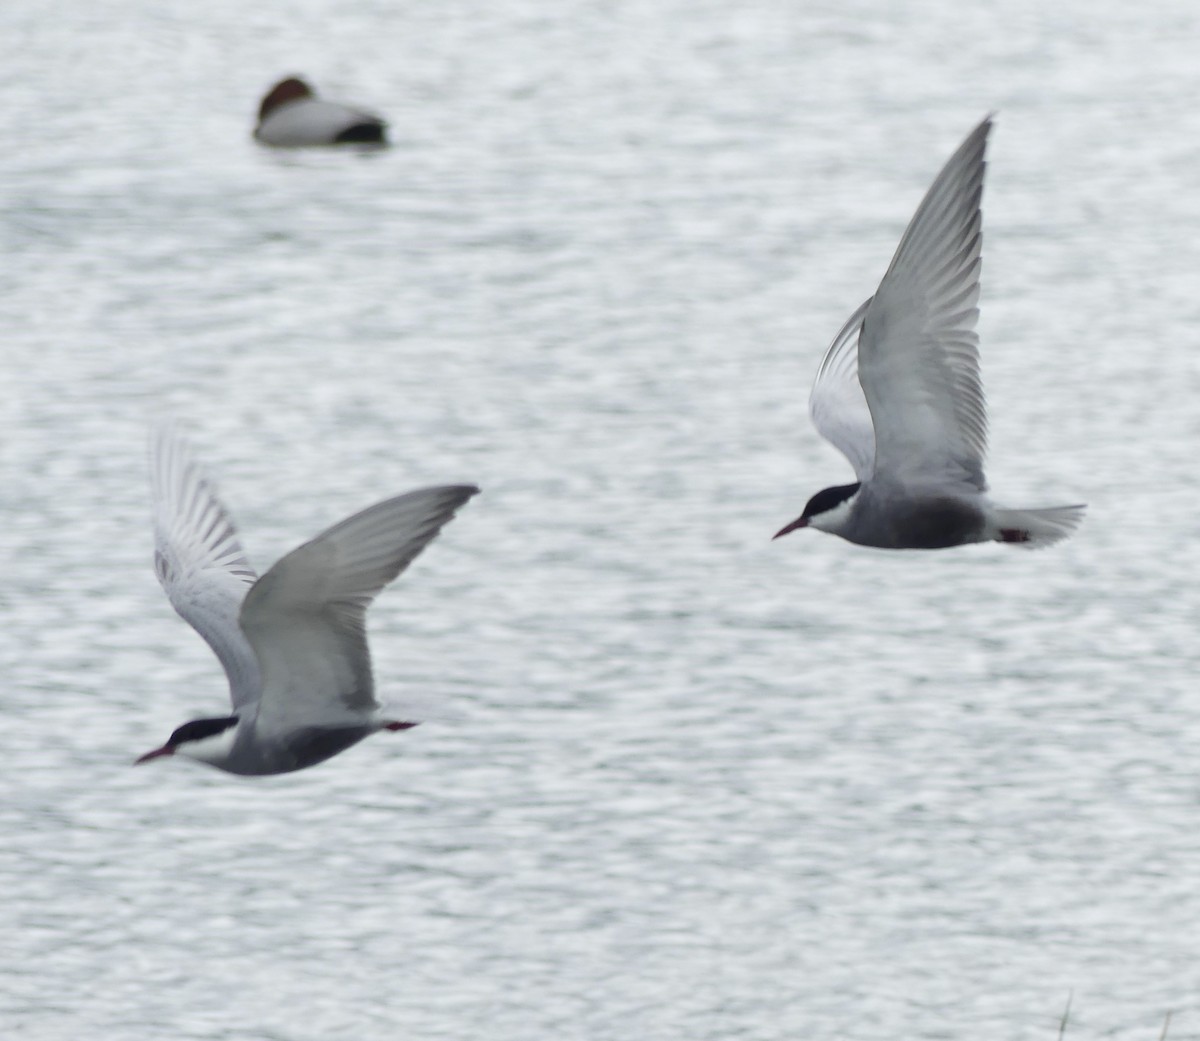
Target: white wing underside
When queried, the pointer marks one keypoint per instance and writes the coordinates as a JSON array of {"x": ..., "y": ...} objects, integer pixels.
[
  {"x": 918, "y": 355},
  {"x": 837, "y": 406},
  {"x": 199, "y": 560},
  {"x": 306, "y": 617}
]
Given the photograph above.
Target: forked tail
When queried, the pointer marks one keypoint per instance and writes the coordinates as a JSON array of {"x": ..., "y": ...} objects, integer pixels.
[{"x": 1034, "y": 529}]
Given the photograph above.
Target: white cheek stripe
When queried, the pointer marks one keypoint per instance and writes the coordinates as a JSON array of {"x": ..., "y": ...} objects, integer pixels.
[
  {"x": 215, "y": 748},
  {"x": 833, "y": 520}
]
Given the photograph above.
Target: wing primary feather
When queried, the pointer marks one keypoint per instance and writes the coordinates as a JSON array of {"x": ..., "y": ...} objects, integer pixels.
[
  {"x": 199, "y": 559},
  {"x": 306, "y": 617},
  {"x": 918, "y": 351}
]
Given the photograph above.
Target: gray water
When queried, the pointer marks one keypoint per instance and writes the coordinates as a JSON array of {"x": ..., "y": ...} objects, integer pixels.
[{"x": 677, "y": 782}]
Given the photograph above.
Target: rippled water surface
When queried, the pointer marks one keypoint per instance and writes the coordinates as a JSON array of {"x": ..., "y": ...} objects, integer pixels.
[{"x": 678, "y": 782}]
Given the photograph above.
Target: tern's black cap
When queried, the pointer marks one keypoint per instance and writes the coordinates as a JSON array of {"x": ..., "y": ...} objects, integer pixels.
[
  {"x": 827, "y": 498},
  {"x": 198, "y": 729}
]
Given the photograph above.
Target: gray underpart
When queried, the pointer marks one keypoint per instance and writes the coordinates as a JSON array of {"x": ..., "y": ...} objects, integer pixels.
[
  {"x": 302, "y": 748},
  {"x": 889, "y": 520}
]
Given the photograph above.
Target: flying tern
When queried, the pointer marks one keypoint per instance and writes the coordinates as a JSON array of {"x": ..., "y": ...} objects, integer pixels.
[
  {"x": 899, "y": 392},
  {"x": 293, "y": 642}
]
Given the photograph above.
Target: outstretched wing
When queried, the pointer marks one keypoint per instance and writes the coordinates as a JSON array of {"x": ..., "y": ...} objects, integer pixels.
[
  {"x": 199, "y": 560},
  {"x": 306, "y": 617},
  {"x": 837, "y": 406},
  {"x": 919, "y": 354}
]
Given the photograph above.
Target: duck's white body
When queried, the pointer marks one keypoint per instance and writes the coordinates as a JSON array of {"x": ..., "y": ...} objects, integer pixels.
[{"x": 292, "y": 116}]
